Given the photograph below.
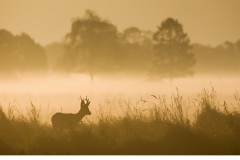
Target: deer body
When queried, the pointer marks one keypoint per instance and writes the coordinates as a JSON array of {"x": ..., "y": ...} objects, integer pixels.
[{"x": 64, "y": 120}]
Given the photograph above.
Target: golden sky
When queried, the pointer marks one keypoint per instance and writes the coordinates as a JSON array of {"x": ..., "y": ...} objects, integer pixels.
[{"x": 208, "y": 22}]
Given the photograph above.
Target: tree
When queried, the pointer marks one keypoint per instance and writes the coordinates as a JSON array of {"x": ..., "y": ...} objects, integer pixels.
[
  {"x": 229, "y": 47},
  {"x": 20, "y": 54},
  {"x": 134, "y": 35},
  {"x": 237, "y": 44},
  {"x": 224, "y": 59},
  {"x": 172, "y": 56},
  {"x": 91, "y": 46},
  {"x": 136, "y": 50}
]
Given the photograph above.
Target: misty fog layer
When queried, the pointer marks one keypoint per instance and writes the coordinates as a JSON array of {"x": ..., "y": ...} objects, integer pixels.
[
  {"x": 81, "y": 84},
  {"x": 61, "y": 94}
]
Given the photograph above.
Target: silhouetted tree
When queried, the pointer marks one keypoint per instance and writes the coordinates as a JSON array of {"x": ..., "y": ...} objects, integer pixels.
[
  {"x": 229, "y": 47},
  {"x": 20, "y": 54},
  {"x": 237, "y": 44},
  {"x": 92, "y": 46},
  {"x": 172, "y": 56},
  {"x": 136, "y": 50},
  {"x": 134, "y": 35},
  {"x": 223, "y": 59}
]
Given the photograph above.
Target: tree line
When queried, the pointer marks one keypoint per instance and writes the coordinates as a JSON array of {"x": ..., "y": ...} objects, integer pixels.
[
  {"x": 223, "y": 59},
  {"x": 20, "y": 54},
  {"x": 94, "y": 46}
]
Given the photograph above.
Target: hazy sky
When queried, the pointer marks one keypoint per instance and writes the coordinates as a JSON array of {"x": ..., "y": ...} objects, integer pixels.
[{"x": 206, "y": 21}]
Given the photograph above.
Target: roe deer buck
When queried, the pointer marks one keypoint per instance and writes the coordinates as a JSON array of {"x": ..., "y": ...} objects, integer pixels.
[{"x": 63, "y": 120}]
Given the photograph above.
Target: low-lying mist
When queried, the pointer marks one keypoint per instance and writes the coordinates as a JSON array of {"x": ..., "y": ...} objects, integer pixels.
[{"x": 54, "y": 93}]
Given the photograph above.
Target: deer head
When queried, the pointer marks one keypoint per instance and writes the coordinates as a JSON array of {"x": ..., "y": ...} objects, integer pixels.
[{"x": 84, "y": 106}]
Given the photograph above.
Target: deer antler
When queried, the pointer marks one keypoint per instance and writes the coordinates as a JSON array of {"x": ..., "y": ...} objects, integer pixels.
[
  {"x": 82, "y": 100},
  {"x": 80, "y": 97},
  {"x": 87, "y": 99}
]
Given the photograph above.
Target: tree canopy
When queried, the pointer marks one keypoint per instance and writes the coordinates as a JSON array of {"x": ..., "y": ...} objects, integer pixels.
[
  {"x": 136, "y": 50},
  {"x": 20, "y": 54},
  {"x": 172, "y": 55},
  {"x": 91, "y": 46},
  {"x": 223, "y": 59}
]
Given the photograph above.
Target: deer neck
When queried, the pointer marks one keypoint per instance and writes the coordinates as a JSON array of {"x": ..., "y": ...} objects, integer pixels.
[{"x": 80, "y": 115}]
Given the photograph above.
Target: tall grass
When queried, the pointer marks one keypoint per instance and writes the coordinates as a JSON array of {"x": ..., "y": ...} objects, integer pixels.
[{"x": 140, "y": 128}]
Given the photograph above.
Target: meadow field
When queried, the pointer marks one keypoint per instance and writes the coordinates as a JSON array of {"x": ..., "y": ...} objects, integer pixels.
[{"x": 195, "y": 116}]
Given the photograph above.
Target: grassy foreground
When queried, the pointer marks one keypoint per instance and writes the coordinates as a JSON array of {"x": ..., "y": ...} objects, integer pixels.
[{"x": 161, "y": 129}]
